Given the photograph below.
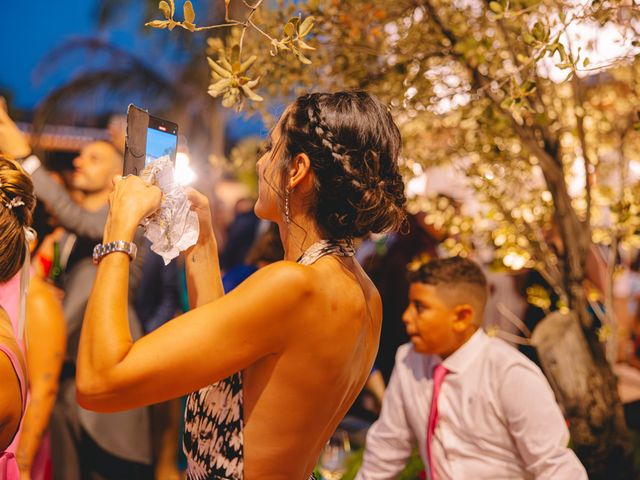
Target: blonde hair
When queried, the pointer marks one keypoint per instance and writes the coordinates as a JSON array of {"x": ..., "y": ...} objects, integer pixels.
[{"x": 17, "y": 202}]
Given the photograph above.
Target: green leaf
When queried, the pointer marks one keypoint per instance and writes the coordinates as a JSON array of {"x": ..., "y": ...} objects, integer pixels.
[
  {"x": 496, "y": 7},
  {"x": 563, "y": 52},
  {"x": 282, "y": 45},
  {"x": 528, "y": 38},
  {"x": 251, "y": 95},
  {"x": 158, "y": 24},
  {"x": 219, "y": 87},
  {"x": 529, "y": 87},
  {"x": 301, "y": 57},
  {"x": 222, "y": 60},
  {"x": 586, "y": 62},
  {"x": 235, "y": 54},
  {"x": 306, "y": 26},
  {"x": 303, "y": 45},
  {"x": 289, "y": 29},
  {"x": 506, "y": 103},
  {"x": 253, "y": 83},
  {"x": 189, "y": 13},
  {"x": 539, "y": 32},
  {"x": 229, "y": 100},
  {"x": 244, "y": 66},
  {"x": 165, "y": 8},
  {"x": 219, "y": 69}
]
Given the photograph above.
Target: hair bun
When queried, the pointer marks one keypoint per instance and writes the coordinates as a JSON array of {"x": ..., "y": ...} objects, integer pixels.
[
  {"x": 17, "y": 203},
  {"x": 353, "y": 145}
]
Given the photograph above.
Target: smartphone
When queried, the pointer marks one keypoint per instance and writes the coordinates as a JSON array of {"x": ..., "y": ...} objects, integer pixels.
[{"x": 148, "y": 139}]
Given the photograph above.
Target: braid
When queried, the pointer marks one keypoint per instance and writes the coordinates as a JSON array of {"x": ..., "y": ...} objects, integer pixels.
[
  {"x": 339, "y": 152},
  {"x": 328, "y": 140},
  {"x": 353, "y": 145}
]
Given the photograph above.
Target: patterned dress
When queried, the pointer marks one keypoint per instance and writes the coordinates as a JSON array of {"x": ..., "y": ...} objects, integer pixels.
[{"x": 214, "y": 415}]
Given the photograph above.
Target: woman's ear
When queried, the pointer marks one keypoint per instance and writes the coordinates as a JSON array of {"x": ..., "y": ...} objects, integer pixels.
[
  {"x": 300, "y": 173},
  {"x": 464, "y": 316}
]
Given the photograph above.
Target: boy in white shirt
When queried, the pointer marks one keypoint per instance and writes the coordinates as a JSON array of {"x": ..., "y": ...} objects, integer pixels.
[{"x": 494, "y": 415}]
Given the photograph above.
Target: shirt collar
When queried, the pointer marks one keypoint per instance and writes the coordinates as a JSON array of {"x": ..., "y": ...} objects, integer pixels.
[{"x": 461, "y": 358}]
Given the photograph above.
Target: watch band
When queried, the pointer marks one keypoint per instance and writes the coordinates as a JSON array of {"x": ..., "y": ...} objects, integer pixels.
[{"x": 103, "y": 249}]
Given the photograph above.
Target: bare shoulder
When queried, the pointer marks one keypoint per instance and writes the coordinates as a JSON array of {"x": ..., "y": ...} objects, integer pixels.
[
  {"x": 289, "y": 279},
  {"x": 39, "y": 291}
]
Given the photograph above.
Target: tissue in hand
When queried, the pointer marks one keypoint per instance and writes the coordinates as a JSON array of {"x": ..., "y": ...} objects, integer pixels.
[{"x": 174, "y": 227}]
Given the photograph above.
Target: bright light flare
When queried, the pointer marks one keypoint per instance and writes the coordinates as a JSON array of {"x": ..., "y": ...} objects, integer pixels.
[{"x": 183, "y": 173}]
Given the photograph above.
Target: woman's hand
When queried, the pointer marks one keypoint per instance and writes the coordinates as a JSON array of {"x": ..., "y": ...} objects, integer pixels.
[
  {"x": 131, "y": 201},
  {"x": 12, "y": 141},
  {"x": 200, "y": 205}
]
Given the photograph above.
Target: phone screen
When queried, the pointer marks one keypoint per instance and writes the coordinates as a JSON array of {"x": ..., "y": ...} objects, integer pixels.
[{"x": 160, "y": 142}]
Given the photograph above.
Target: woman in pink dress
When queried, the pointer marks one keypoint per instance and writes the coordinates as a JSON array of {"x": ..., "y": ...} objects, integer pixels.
[
  {"x": 44, "y": 333},
  {"x": 16, "y": 205}
]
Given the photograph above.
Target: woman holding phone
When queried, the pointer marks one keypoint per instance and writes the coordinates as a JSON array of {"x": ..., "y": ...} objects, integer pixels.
[{"x": 273, "y": 366}]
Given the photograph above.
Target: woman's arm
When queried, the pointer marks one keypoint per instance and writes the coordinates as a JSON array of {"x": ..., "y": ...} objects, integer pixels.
[
  {"x": 199, "y": 348},
  {"x": 46, "y": 343},
  {"x": 196, "y": 349},
  {"x": 204, "y": 282}
]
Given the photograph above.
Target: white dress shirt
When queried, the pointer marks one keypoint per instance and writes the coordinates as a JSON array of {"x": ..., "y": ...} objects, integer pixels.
[{"x": 497, "y": 418}]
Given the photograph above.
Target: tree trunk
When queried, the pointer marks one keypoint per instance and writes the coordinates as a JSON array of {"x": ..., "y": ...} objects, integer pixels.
[
  {"x": 596, "y": 418},
  {"x": 574, "y": 362}
]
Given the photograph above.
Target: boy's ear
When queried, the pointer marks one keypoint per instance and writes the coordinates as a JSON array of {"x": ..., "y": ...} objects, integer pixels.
[{"x": 464, "y": 316}]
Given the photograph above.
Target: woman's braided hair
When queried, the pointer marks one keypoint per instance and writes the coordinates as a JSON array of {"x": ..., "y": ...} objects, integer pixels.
[
  {"x": 17, "y": 203},
  {"x": 353, "y": 145}
]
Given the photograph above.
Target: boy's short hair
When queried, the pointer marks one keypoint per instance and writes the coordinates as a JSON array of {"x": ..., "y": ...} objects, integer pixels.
[{"x": 453, "y": 272}]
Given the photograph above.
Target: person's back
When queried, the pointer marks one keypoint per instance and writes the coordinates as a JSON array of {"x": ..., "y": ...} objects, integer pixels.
[{"x": 330, "y": 356}]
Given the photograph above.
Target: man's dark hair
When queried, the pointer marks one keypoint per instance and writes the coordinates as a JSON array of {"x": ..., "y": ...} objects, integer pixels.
[
  {"x": 461, "y": 277},
  {"x": 449, "y": 271}
]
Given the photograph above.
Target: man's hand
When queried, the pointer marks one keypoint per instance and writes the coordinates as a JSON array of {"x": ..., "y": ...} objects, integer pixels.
[{"x": 12, "y": 141}]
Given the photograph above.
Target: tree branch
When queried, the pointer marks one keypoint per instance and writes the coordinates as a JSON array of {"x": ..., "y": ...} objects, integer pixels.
[{"x": 574, "y": 234}]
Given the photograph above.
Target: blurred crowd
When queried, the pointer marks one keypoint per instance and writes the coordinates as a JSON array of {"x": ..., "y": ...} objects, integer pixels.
[{"x": 61, "y": 440}]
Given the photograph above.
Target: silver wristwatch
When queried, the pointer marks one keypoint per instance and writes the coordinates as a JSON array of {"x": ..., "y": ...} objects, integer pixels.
[{"x": 103, "y": 249}]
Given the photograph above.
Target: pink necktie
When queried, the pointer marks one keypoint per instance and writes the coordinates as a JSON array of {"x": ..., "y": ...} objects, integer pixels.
[{"x": 438, "y": 376}]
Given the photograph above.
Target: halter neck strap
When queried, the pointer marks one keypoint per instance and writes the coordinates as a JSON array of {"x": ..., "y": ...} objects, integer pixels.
[{"x": 340, "y": 248}]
